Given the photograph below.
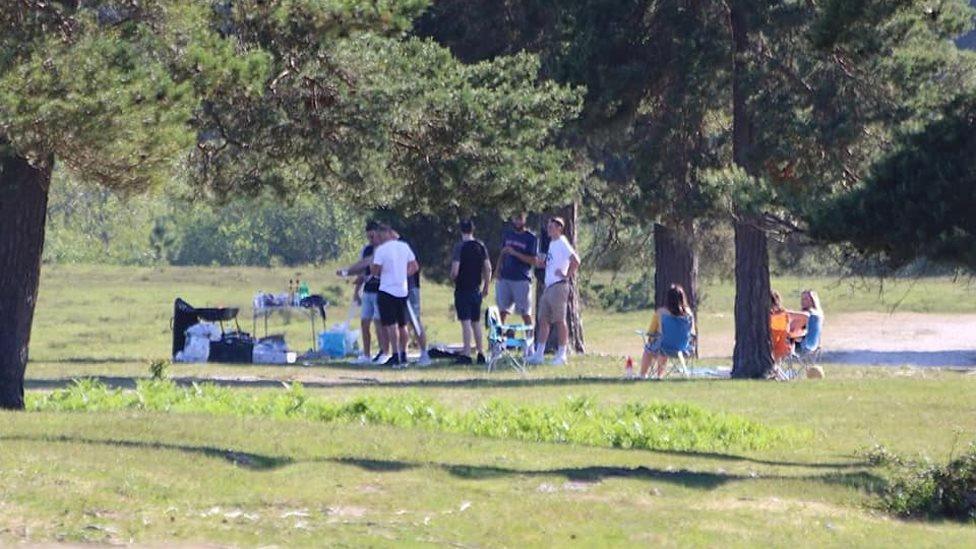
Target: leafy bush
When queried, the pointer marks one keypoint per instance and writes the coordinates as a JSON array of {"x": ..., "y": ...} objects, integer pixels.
[
  {"x": 577, "y": 420},
  {"x": 923, "y": 489},
  {"x": 626, "y": 296},
  {"x": 92, "y": 225}
]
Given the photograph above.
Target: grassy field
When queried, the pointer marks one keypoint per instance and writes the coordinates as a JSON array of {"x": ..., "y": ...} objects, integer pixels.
[
  {"x": 220, "y": 471},
  {"x": 91, "y": 315}
]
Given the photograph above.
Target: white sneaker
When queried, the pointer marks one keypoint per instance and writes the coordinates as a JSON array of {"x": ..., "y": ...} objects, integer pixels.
[
  {"x": 558, "y": 360},
  {"x": 534, "y": 360},
  {"x": 424, "y": 360},
  {"x": 381, "y": 359},
  {"x": 363, "y": 359}
]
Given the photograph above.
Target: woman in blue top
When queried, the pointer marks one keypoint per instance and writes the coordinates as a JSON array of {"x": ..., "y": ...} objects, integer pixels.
[
  {"x": 677, "y": 332},
  {"x": 810, "y": 303}
]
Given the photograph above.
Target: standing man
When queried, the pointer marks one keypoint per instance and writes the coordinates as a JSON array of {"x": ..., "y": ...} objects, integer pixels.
[
  {"x": 561, "y": 264},
  {"x": 365, "y": 294},
  {"x": 413, "y": 309},
  {"x": 393, "y": 263},
  {"x": 514, "y": 285},
  {"x": 471, "y": 272}
]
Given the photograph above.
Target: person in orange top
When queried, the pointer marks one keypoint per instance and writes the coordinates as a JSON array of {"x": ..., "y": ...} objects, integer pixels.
[{"x": 779, "y": 327}]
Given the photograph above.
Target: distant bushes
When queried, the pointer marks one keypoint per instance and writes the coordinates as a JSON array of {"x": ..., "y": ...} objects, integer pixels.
[
  {"x": 652, "y": 426},
  {"x": 921, "y": 489},
  {"x": 89, "y": 225}
]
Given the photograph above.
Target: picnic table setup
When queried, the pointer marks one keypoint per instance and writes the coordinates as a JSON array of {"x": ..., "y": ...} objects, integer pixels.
[{"x": 214, "y": 334}]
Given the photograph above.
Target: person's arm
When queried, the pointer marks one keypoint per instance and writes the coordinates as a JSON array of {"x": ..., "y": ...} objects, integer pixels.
[
  {"x": 455, "y": 261},
  {"x": 486, "y": 276},
  {"x": 574, "y": 264},
  {"x": 357, "y": 268},
  {"x": 535, "y": 261},
  {"x": 501, "y": 257},
  {"x": 413, "y": 268},
  {"x": 357, "y": 292}
]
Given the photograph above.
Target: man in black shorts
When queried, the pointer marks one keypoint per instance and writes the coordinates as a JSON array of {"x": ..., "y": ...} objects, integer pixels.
[
  {"x": 394, "y": 262},
  {"x": 471, "y": 271}
]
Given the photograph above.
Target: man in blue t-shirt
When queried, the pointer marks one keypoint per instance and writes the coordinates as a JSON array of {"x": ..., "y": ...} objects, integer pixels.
[{"x": 514, "y": 285}]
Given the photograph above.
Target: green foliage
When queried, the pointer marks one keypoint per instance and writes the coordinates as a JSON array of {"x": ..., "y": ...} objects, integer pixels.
[
  {"x": 106, "y": 88},
  {"x": 158, "y": 369},
  {"x": 90, "y": 224},
  {"x": 919, "y": 199},
  {"x": 265, "y": 232},
  {"x": 623, "y": 296},
  {"x": 927, "y": 490},
  {"x": 576, "y": 420}
]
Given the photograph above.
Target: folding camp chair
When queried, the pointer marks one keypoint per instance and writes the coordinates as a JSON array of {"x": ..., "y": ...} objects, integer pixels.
[
  {"x": 507, "y": 343},
  {"x": 680, "y": 364},
  {"x": 795, "y": 365}
]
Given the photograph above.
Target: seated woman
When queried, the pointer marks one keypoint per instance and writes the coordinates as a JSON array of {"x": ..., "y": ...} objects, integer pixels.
[
  {"x": 779, "y": 328},
  {"x": 677, "y": 331},
  {"x": 813, "y": 323}
]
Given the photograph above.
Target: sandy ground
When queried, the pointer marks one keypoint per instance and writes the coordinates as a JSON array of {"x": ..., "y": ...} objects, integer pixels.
[{"x": 896, "y": 339}]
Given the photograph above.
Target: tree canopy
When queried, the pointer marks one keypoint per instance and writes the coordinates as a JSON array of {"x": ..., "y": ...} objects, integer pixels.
[{"x": 918, "y": 201}]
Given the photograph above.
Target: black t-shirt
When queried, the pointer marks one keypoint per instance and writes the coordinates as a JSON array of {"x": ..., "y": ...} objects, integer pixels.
[
  {"x": 471, "y": 256},
  {"x": 372, "y": 284}
]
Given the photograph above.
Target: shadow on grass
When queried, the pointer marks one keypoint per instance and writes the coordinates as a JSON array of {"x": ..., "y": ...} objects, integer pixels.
[
  {"x": 92, "y": 360},
  {"x": 129, "y": 382},
  {"x": 965, "y": 358},
  {"x": 248, "y": 460},
  {"x": 702, "y": 480}
]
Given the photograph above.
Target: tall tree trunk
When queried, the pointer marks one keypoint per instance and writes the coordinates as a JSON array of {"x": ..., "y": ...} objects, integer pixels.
[
  {"x": 676, "y": 262},
  {"x": 574, "y": 319},
  {"x": 23, "y": 211},
  {"x": 752, "y": 357}
]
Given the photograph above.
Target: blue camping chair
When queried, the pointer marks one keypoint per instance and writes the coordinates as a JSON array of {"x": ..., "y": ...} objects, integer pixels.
[
  {"x": 507, "y": 343},
  {"x": 677, "y": 342}
]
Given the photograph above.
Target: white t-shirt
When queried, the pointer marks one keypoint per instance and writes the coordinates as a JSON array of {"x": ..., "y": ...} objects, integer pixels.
[
  {"x": 393, "y": 256},
  {"x": 558, "y": 259}
]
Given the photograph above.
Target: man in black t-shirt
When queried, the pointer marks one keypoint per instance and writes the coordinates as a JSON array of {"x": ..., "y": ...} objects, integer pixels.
[{"x": 471, "y": 272}]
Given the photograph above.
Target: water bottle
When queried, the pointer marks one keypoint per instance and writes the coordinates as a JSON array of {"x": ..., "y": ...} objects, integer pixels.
[{"x": 629, "y": 369}]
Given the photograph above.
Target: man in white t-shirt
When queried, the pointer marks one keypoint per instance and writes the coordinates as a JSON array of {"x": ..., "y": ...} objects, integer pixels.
[
  {"x": 561, "y": 263},
  {"x": 394, "y": 262}
]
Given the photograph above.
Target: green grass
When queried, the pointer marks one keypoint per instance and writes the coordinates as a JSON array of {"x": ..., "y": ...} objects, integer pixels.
[
  {"x": 451, "y": 455},
  {"x": 576, "y": 420},
  {"x": 97, "y": 314}
]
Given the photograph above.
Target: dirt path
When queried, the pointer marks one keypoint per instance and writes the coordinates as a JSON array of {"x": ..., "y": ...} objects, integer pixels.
[{"x": 912, "y": 339}]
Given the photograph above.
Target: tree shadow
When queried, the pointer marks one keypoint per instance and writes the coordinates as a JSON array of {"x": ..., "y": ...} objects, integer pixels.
[
  {"x": 701, "y": 480},
  {"x": 934, "y": 359},
  {"x": 248, "y": 460},
  {"x": 92, "y": 360}
]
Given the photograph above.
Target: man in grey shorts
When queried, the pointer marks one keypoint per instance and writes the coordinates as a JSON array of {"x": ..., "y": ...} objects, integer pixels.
[
  {"x": 561, "y": 263},
  {"x": 514, "y": 285},
  {"x": 365, "y": 294}
]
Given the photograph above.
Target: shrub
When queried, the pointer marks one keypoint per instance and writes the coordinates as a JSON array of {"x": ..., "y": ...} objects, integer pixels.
[
  {"x": 576, "y": 420},
  {"x": 923, "y": 489}
]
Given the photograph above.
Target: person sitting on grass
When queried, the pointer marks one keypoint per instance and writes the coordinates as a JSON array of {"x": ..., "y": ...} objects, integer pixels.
[{"x": 677, "y": 332}]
